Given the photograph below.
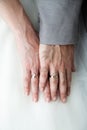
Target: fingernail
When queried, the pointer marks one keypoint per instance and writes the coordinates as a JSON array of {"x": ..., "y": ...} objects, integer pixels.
[
  {"x": 64, "y": 99},
  {"x": 35, "y": 99},
  {"x": 47, "y": 99},
  {"x": 54, "y": 98},
  {"x": 26, "y": 93}
]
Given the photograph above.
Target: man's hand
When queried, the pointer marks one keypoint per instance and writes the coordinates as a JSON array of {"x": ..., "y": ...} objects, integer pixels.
[{"x": 58, "y": 62}]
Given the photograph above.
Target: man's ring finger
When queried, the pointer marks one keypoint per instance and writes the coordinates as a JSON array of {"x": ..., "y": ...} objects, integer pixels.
[{"x": 54, "y": 76}]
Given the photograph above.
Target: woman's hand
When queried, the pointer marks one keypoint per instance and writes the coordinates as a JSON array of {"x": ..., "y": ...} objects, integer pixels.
[
  {"x": 58, "y": 62},
  {"x": 29, "y": 50},
  {"x": 14, "y": 14}
]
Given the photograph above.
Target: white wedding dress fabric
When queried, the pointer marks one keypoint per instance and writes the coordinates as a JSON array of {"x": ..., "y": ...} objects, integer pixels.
[{"x": 17, "y": 111}]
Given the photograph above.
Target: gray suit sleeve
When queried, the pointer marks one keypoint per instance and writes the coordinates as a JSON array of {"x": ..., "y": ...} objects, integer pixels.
[{"x": 59, "y": 21}]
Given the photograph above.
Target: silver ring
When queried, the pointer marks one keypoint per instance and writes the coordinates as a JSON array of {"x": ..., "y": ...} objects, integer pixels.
[
  {"x": 34, "y": 75},
  {"x": 54, "y": 76}
]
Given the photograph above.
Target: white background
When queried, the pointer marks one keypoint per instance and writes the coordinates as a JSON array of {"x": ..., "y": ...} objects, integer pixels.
[{"x": 17, "y": 111}]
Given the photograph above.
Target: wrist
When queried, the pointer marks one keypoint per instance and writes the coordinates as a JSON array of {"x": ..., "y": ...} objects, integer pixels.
[
  {"x": 27, "y": 34},
  {"x": 14, "y": 14}
]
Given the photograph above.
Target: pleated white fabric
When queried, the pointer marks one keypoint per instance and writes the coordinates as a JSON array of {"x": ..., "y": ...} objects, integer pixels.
[{"x": 18, "y": 112}]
